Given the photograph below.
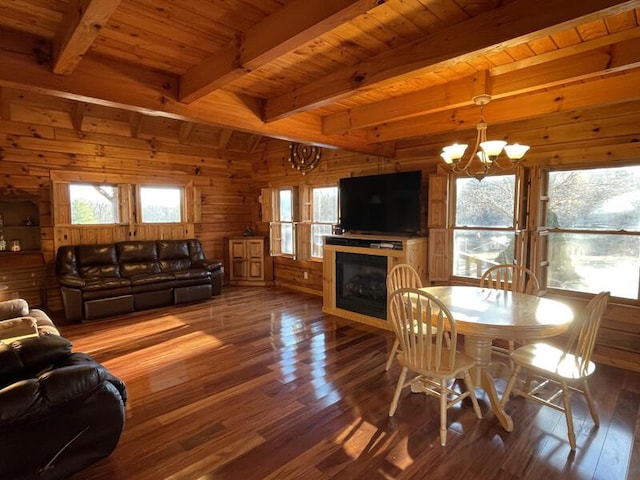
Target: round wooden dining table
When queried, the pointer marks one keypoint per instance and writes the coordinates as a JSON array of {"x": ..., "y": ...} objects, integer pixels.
[{"x": 482, "y": 314}]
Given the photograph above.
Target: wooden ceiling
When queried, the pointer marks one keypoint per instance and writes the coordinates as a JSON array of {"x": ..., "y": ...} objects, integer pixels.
[{"x": 371, "y": 76}]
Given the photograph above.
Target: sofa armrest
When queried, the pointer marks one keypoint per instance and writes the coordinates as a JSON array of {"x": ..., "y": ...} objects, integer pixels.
[
  {"x": 209, "y": 265},
  {"x": 71, "y": 281},
  {"x": 60, "y": 386},
  {"x": 13, "y": 308},
  {"x": 24, "y": 358}
]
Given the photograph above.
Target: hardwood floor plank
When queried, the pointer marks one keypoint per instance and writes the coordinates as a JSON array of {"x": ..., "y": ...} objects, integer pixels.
[{"x": 259, "y": 384}]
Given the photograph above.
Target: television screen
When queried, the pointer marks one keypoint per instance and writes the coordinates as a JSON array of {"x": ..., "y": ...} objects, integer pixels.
[{"x": 388, "y": 203}]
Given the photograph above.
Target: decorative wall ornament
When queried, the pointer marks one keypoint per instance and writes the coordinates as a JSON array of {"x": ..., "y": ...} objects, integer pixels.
[{"x": 304, "y": 158}]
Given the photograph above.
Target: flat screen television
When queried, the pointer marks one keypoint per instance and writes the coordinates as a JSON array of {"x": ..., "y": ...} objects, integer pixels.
[{"x": 389, "y": 203}]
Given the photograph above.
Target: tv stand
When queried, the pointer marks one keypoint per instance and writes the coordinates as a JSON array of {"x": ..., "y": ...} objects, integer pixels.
[{"x": 411, "y": 250}]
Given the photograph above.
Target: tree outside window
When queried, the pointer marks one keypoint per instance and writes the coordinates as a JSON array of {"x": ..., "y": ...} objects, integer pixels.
[
  {"x": 484, "y": 233},
  {"x": 594, "y": 224},
  {"x": 93, "y": 204},
  {"x": 161, "y": 204},
  {"x": 286, "y": 221},
  {"x": 325, "y": 215}
]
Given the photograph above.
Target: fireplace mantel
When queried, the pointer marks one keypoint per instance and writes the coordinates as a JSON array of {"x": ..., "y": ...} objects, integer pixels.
[{"x": 397, "y": 250}]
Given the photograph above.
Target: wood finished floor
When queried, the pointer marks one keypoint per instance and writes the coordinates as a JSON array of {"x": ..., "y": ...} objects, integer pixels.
[{"x": 259, "y": 384}]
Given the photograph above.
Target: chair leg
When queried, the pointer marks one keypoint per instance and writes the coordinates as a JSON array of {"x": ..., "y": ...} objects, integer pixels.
[
  {"x": 392, "y": 354},
  {"x": 510, "y": 385},
  {"x": 396, "y": 394},
  {"x": 443, "y": 412},
  {"x": 472, "y": 394},
  {"x": 592, "y": 407},
  {"x": 566, "y": 400}
]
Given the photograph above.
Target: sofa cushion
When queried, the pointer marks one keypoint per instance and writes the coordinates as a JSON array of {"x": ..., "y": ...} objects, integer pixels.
[
  {"x": 175, "y": 264},
  {"x": 93, "y": 284},
  {"x": 137, "y": 252},
  {"x": 100, "y": 271},
  {"x": 92, "y": 255},
  {"x": 148, "y": 279},
  {"x": 17, "y": 307},
  {"x": 18, "y": 327},
  {"x": 172, "y": 249},
  {"x": 23, "y": 358},
  {"x": 97, "y": 261},
  {"x": 141, "y": 268},
  {"x": 192, "y": 273}
]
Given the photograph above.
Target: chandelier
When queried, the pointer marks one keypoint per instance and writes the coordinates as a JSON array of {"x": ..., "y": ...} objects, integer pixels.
[{"x": 486, "y": 153}]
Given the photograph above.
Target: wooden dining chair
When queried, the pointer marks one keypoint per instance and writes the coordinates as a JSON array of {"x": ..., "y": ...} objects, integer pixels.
[
  {"x": 564, "y": 369},
  {"x": 400, "y": 276},
  {"x": 424, "y": 351},
  {"x": 509, "y": 277}
]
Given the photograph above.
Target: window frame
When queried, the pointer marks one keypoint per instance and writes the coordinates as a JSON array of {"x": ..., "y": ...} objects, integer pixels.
[
  {"x": 313, "y": 222},
  {"x": 138, "y": 207},
  {"x": 117, "y": 210},
  {"x": 302, "y": 206},
  {"x": 517, "y": 228},
  {"x": 552, "y": 230}
]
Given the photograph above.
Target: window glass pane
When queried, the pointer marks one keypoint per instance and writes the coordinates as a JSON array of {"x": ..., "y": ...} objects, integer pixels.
[
  {"x": 486, "y": 203},
  {"x": 595, "y": 262},
  {"x": 325, "y": 205},
  {"x": 160, "y": 204},
  {"x": 93, "y": 204},
  {"x": 286, "y": 238},
  {"x": 595, "y": 199},
  {"x": 286, "y": 212},
  {"x": 477, "y": 250},
  {"x": 317, "y": 232}
]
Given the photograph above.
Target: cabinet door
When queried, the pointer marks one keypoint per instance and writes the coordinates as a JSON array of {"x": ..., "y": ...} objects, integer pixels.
[
  {"x": 237, "y": 254},
  {"x": 255, "y": 250}
]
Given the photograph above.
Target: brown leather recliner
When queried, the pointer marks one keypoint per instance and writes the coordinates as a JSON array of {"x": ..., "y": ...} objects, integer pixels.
[{"x": 59, "y": 411}]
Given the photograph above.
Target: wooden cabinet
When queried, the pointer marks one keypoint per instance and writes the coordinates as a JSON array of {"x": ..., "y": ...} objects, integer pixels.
[
  {"x": 22, "y": 267},
  {"x": 23, "y": 276},
  {"x": 249, "y": 261}
]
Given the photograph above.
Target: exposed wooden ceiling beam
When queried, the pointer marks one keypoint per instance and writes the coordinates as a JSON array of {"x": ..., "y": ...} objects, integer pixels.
[
  {"x": 610, "y": 90},
  {"x": 100, "y": 81},
  {"x": 6, "y": 96},
  {"x": 430, "y": 100},
  {"x": 184, "y": 134},
  {"x": 77, "y": 114},
  {"x": 513, "y": 81},
  {"x": 516, "y": 22},
  {"x": 135, "y": 120},
  {"x": 80, "y": 26},
  {"x": 287, "y": 29},
  {"x": 225, "y": 136}
]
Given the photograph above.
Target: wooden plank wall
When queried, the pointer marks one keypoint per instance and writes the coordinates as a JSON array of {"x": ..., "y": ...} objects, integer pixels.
[
  {"x": 274, "y": 170},
  {"x": 40, "y": 135},
  {"x": 38, "y": 138},
  {"x": 608, "y": 136}
]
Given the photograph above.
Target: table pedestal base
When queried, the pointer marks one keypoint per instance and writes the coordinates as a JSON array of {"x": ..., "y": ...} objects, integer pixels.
[{"x": 479, "y": 348}]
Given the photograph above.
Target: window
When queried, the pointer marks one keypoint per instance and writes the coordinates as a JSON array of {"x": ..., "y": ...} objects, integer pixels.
[
  {"x": 485, "y": 222},
  {"x": 93, "y": 204},
  {"x": 285, "y": 214},
  {"x": 298, "y": 218},
  {"x": 594, "y": 230},
  {"x": 161, "y": 204},
  {"x": 324, "y": 216}
]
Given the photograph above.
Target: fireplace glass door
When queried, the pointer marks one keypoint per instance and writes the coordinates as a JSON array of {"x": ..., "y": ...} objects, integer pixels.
[{"x": 361, "y": 284}]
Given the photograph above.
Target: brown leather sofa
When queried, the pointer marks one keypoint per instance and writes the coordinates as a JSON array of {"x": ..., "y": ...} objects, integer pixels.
[
  {"x": 109, "y": 279},
  {"x": 59, "y": 411}
]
